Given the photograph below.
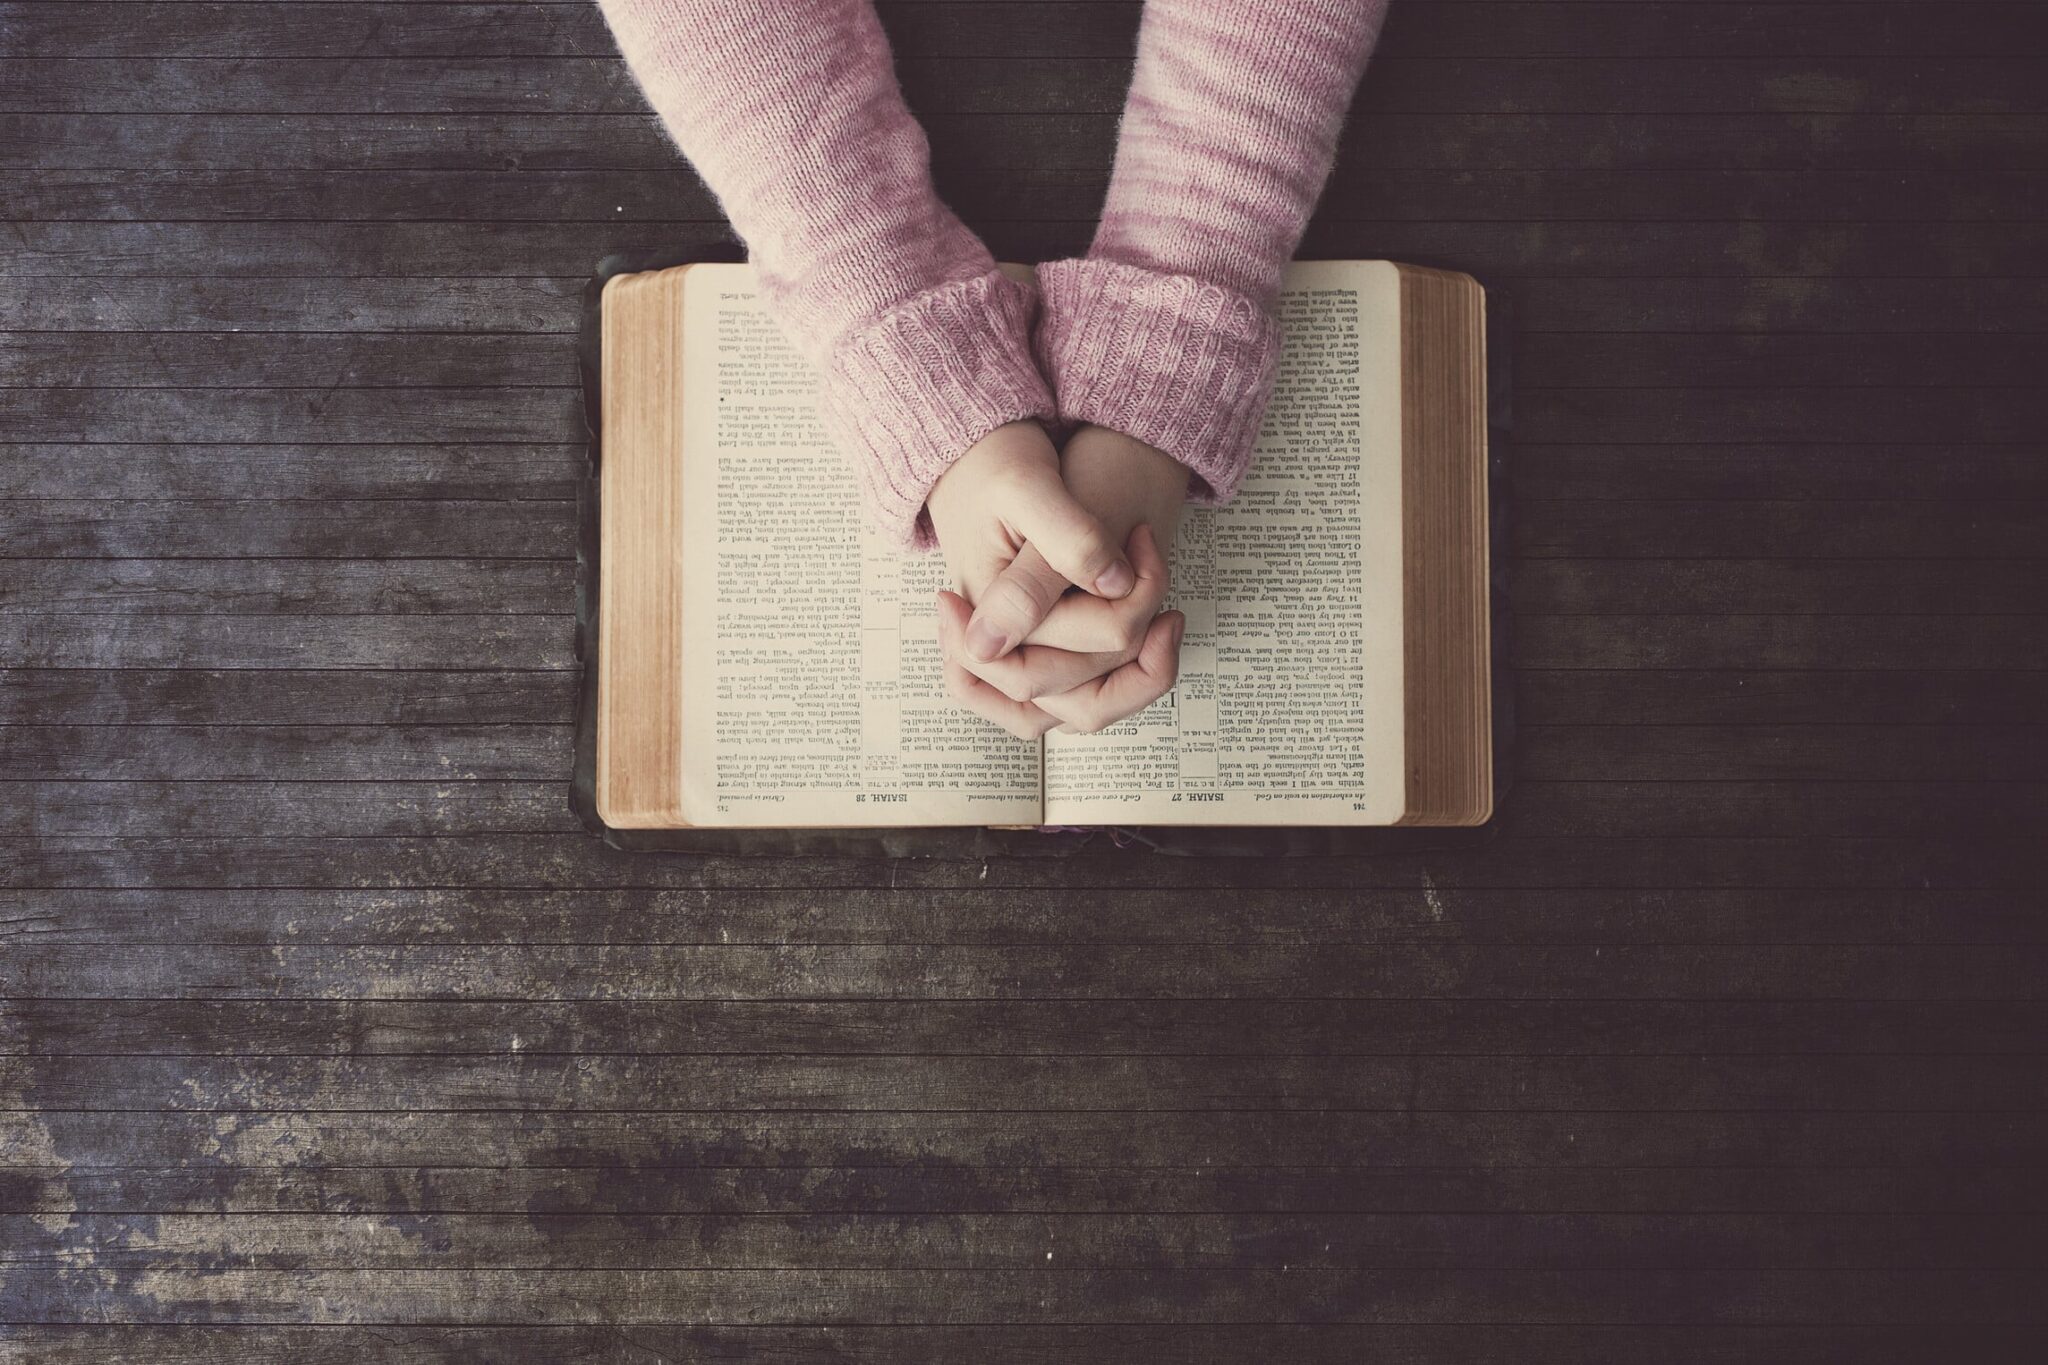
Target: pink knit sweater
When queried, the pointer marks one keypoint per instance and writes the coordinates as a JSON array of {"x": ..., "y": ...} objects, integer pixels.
[{"x": 789, "y": 110}]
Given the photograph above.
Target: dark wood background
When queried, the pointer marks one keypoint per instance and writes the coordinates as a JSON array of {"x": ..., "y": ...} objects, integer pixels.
[{"x": 330, "y": 1037}]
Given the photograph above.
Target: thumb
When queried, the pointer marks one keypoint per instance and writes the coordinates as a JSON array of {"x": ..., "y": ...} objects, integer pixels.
[{"x": 1070, "y": 539}]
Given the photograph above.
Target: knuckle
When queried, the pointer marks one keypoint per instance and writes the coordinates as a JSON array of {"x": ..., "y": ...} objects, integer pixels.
[{"x": 1016, "y": 595}]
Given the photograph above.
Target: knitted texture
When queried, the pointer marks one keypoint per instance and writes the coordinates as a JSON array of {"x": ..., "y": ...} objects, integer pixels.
[
  {"x": 1165, "y": 330},
  {"x": 791, "y": 114}
]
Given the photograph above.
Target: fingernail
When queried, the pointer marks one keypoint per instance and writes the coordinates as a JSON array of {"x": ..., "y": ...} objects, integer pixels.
[
  {"x": 1116, "y": 580},
  {"x": 985, "y": 641},
  {"x": 1180, "y": 628}
]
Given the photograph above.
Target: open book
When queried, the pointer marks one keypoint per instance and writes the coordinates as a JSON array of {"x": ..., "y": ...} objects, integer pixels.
[{"x": 763, "y": 660}]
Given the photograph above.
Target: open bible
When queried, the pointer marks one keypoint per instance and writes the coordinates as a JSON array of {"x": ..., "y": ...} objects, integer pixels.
[{"x": 765, "y": 661}]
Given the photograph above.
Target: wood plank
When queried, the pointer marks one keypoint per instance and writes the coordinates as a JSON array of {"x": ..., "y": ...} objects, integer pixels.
[
  {"x": 1750, "y": 695},
  {"x": 1971, "y": 1298},
  {"x": 352, "y": 473},
  {"x": 578, "y": 861},
  {"x": 369, "y": 1028},
  {"x": 1766, "y": 587},
  {"x": 457, "y": 753},
  {"x": 550, "y": 1243},
  {"x": 207, "y": 528},
  {"x": 236, "y": 360},
  {"x": 975, "y": 916},
  {"x": 1878, "y": 470},
  {"x": 200, "y": 304},
  {"x": 1967, "y": 416},
  {"x": 147, "y": 696},
  {"x": 784, "y": 1082},
  {"x": 1209, "y": 1344},
  {"x": 345, "y": 416},
  {"x": 1063, "y": 972},
  {"x": 356, "y": 1192},
  {"x": 666, "y": 1145},
  {"x": 441, "y": 643},
  {"x": 251, "y": 587},
  {"x": 1799, "y": 643}
]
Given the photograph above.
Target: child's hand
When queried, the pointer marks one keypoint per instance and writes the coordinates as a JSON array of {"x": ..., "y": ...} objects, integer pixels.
[
  {"x": 1016, "y": 540},
  {"x": 1091, "y": 663}
]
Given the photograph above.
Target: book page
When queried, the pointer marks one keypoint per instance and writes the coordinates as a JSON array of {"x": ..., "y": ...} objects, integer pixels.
[
  {"x": 1288, "y": 709},
  {"x": 812, "y": 690}
]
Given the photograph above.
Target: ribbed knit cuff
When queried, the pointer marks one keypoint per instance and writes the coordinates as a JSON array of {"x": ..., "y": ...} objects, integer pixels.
[
  {"x": 909, "y": 391},
  {"x": 1178, "y": 363}
]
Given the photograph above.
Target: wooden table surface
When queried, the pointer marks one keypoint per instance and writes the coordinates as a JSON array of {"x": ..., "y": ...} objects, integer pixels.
[{"x": 328, "y": 1035}]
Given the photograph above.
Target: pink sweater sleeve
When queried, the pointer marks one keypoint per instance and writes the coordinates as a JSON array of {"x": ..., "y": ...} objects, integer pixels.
[
  {"x": 1165, "y": 330},
  {"x": 792, "y": 115}
]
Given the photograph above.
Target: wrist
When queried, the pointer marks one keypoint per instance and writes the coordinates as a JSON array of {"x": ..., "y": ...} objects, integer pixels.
[{"x": 1125, "y": 481}]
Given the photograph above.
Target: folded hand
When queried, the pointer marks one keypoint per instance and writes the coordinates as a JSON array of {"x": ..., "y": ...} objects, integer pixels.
[{"x": 1020, "y": 527}]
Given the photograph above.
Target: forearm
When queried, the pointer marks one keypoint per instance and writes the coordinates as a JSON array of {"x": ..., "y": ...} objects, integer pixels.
[
  {"x": 792, "y": 115},
  {"x": 1165, "y": 330}
]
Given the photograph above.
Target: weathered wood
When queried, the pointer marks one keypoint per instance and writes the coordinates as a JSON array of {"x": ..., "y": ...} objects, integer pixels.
[
  {"x": 45, "y": 1028},
  {"x": 207, "y": 528},
  {"x": 440, "y": 643},
  {"x": 552, "y": 1242},
  {"x": 782, "y": 1146},
  {"x": 119, "y": 360},
  {"x": 382, "y": 587},
  {"x": 286, "y": 416},
  {"x": 766, "y": 917},
  {"x": 253, "y": 752},
  {"x": 1297, "y": 918},
  {"x": 1209, "y": 1344},
  {"x": 1004, "y": 917},
  {"x": 1792, "y": 642},
  {"x": 1748, "y": 695},
  {"x": 1151, "y": 1292},
  {"x": 536, "y": 861},
  {"x": 147, "y": 696},
  {"x": 1880, "y": 471},
  {"x": 1098, "y": 971},
  {"x": 353, "y": 1191},
  {"x": 418, "y": 470},
  {"x": 1772, "y": 587}
]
